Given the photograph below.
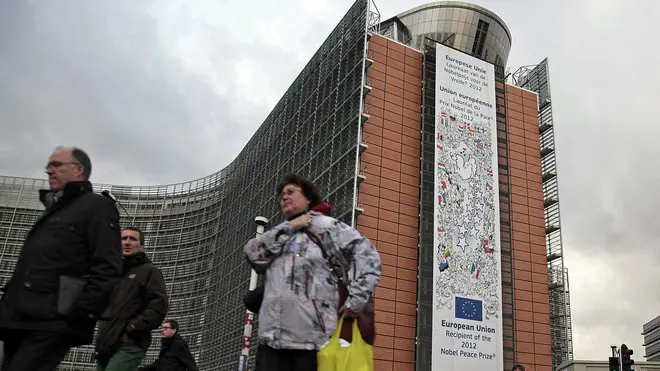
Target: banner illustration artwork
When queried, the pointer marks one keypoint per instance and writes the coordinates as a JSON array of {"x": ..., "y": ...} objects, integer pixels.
[{"x": 467, "y": 316}]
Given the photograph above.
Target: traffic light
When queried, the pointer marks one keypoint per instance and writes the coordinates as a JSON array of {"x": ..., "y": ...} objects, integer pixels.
[
  {"x": 626, "y": 358},
  {"x": 614, "y": 364}
]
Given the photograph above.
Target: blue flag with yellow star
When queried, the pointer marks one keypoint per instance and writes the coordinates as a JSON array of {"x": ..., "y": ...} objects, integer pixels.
[{"x": 471, "y": 309}]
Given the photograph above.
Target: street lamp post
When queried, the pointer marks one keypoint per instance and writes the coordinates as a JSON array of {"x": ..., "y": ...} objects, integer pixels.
[{"x": 261, "y": 223}]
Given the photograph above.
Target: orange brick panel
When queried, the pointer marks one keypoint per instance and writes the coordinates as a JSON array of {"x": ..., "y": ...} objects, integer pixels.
[
  {"x": 397, "y": 64},
  {"x": 515, "y": 107},
  {"x": 390, "y": 248},
  {"x": 394, "y": 80},
  {"x": 391, "y": 199},
  {"x": 375, "y": 47},
  {"x": 393, "y": 127},
  {"x": 410, "y": 87},
  {"x": 406, "y": 286},
  {"x": 530, "y": 281},
  {"x": 394, "y": 55},
  {"x": 408, "y": 252},
  {"x": 545, "y": 339},
  {"x": 394, "y": 90},
  {"x": 525, "y": 358},
  {"x": 404, "y": 344},
  {"x": 394, "y": 99},
  {"x": 378, "y": 40},
  {"x": 382, "y": 353},
  {"x": 382, "y": 365},
  {"x": 412, "y": 97},
  {"x": 385, "y": 338},
  {"x": 413, "y": 72}
]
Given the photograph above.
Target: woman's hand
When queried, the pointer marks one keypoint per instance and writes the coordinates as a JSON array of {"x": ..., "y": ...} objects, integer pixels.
[
  {"x": 347, "y": 313},
  {"x": 302, "y": 222}
]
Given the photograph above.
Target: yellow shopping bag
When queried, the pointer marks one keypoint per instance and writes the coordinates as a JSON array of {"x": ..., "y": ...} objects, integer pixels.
[{"x": 357, "y": 357}]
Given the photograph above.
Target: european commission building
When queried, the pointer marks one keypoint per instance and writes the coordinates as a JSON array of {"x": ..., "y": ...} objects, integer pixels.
[{"x": 365, "y": 121}]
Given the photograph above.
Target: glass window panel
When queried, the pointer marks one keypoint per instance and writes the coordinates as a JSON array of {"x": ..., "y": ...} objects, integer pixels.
[
  {"x": 436, "y": 26},
  {"x": 462, "y": 15},
  {"x": 421, "y": 16},
  {"x": 473, "y": 28},
  {"x": 428, "y": 15},
  {"x": 470, "y": 17},
  {"x": 435, "y": 14},
  {"x": 459, "y": 27},
  {"x": 427, "y": 27},
  {"x": 446, "y": 26},
  {"x": 459, "y": 41}
]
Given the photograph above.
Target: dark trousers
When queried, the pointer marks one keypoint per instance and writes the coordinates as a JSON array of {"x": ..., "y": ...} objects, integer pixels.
[
  {"x": 34, "y": 350},
  {"x": 269, "y": 359},
  {"x": 126, "y": 358}
]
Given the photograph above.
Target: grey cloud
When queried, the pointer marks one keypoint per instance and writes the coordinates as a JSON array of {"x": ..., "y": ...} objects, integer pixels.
[
  {"x": 93, "y": 76},
  {"x": 97, "y": 75},
  {"x": 602, "y": 76}
]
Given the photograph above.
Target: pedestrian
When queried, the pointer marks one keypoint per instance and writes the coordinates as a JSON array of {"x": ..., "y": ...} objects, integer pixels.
[
  {"x": 304, "y": 259},
  {"x": 518, "y": 367},
  {"x": 140, "y": 305},
  {"x": 174, "y": 353},
  {"x": 66, "y": 271},
  {"x": 253, "y": 298}
]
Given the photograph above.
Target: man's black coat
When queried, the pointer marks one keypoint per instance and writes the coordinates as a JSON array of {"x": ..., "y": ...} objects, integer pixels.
[
  {"x": 174, "y": 356},
  {"x": 78, "y": 236},
  {"x": 139, "y": 305}
]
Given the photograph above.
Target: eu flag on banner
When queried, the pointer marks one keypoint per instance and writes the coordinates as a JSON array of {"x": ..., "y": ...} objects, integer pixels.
[{"x": 471, "y": 309}]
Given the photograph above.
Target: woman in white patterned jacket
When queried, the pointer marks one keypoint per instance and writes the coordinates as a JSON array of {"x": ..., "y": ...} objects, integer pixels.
[{"x": 300, "y": 310}]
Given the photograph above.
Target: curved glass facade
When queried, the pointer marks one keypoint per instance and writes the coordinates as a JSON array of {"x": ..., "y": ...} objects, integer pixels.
[
  {"x": 195, "y": 231},
  {"x": 467, "y": 27}
]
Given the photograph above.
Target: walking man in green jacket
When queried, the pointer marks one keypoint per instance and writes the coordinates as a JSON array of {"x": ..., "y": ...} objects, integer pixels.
[{"x": 139, "y": 305}]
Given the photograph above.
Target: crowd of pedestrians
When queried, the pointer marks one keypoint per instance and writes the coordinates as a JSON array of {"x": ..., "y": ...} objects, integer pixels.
[{"x": 78, "y": 267}]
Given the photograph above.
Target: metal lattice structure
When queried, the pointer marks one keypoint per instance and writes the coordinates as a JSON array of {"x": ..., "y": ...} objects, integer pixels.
[
  {"x": 195, "y": 230},
  {"x": 536, "y": 78}
]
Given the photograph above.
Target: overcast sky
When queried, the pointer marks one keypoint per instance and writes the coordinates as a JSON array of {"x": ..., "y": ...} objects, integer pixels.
[{"x": 171, "y": 90}]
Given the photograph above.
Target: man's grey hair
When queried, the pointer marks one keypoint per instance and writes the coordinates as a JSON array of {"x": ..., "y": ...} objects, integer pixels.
[{"x": 80, "y": 157}]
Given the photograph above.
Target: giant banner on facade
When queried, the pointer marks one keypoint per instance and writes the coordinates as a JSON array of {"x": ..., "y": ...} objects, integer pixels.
[{"x": 467, "y": 315}]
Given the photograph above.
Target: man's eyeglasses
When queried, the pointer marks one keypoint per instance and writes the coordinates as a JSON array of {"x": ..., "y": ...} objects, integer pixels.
[{"x": 58, "y": 164}]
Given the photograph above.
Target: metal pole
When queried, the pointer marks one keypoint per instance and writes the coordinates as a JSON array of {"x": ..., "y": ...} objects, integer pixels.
[{"x": 261, "y": 223}]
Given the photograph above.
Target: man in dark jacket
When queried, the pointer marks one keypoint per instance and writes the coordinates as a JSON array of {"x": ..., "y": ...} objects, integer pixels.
[
  {"x": 77, "y": 239},
  {"x": 174, "y": 353},
  {"x": 140, "y": 305}
]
